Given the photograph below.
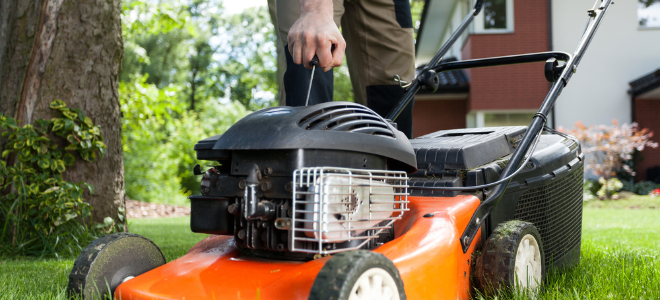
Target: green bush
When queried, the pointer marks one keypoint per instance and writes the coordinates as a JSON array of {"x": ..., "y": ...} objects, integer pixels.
[
  {"x": 40, "y": 213},
  {"x": 158, "y": 136},
  {"x": 609, "y": 188},
  {"x": 640, "y": 188},
  {"x": 589, "y": 189}
]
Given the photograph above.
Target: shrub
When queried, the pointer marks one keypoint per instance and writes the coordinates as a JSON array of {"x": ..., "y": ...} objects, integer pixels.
[
  {"x": 640, "y": 188},
  {"x": 40, "y": 213},
  {"x": 607, "y": 148},
  {"x": 589, "y": 189},
  {"x": 609, "y": 188}
]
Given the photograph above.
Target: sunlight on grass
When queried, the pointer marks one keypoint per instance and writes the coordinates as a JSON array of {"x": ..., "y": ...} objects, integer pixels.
[
  {"x": 29, "y": 278},
  {"x": 620, "y": 259},
  {"x": 632, "y": 202},
  {"x": 172, "y": 235},
  {"x": 623, "y": 229}
]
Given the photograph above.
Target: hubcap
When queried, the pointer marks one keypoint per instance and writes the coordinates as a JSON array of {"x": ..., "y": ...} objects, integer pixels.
[
  {"x": 374, "y": 284},
  {"x": 528, "y": 263}
]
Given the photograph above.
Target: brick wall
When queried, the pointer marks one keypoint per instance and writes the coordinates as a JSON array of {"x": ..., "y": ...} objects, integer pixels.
[
  {"x": 517, "y": 86},
  {"x": 433, "y": 115},
  {"x": 647, "y": 115},
  {"x": 506, "y": 87}
]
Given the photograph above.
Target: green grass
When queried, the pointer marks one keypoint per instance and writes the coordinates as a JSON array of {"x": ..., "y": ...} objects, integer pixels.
[
  {"x": 30, "y": 278},
  {"x": 632, "y": 202},
  {"x": 620, "y": 258}
]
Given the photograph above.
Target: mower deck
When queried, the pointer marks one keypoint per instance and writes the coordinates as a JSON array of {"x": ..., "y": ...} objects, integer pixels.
[{"x": 424, "y": 250}]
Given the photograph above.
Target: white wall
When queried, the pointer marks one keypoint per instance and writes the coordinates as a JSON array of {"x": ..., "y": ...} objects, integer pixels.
[{"x": 619, "y": 53}]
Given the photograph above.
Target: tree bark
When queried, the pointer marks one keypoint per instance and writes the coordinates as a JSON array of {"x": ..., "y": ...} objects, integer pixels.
[{"x": 71, "y": 51}]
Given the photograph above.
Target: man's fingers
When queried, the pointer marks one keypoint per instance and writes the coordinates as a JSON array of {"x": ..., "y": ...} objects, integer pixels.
[
  {"x": 324, "y": 52},
  {"x": 296, "y": 52},
  {"x": 337, "y": 55}
]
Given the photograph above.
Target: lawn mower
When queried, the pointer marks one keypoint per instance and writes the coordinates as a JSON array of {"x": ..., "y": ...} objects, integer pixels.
[{"x": 331, "y": 201}]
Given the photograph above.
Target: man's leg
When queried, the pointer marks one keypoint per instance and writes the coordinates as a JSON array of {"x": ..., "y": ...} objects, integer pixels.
[
  {"x": 281, "y": 57},
  {"x": 379, "y": 45},
  {"x": 296, "y": 77}
]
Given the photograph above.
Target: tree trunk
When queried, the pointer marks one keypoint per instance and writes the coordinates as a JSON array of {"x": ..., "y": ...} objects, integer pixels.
[
  {"x": 193, "y": 87},
  {"x": 71, "y": 51}
]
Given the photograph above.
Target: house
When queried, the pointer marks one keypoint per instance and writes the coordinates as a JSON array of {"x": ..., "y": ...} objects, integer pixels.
[{"x": 612, "y": 81}]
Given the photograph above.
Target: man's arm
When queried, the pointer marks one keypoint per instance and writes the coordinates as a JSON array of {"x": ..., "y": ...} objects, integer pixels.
[{"x": 314, "y": 33}]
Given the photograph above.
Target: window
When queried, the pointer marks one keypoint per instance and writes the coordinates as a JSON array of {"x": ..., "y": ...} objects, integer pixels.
[
  {"x": 495, "y": 14},
  {"x": 507, "y": 119},
  {"x": 648, "y": 13},
  {"x": 500, "y": 118},
  {"x": 497, "y": 17}
]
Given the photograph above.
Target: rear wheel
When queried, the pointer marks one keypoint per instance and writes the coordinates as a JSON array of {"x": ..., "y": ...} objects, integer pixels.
[
  {"x": 110, "y": 260},
  {"x": 358, "y": 275},
  {"x": 512, "y": 258}
]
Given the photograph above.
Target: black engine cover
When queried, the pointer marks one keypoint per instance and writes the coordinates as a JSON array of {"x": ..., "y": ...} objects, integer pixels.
[{"x": 342, "y": 126}]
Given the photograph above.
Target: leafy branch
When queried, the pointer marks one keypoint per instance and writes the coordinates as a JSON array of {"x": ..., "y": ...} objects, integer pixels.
[{"x": 37, "y": 201}]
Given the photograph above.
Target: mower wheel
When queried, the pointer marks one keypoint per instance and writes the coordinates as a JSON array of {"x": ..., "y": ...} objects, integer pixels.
[
  {"x": 357, "y": 275},
  {"x": 512, "y": 258},
  {"x": 110, "y": 260}
]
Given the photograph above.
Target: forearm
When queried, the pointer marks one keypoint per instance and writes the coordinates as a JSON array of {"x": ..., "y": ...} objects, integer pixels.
[{"x": 320, "y": 7}]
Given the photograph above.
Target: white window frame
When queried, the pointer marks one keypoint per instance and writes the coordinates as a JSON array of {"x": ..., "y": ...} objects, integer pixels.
[
  {"x": 479, "y": 21},
  {"x": 477, "y": 118}
]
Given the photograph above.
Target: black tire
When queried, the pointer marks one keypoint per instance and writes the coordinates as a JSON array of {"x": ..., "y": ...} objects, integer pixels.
[
  {"x": 337, "y": 278},
  {"x": 108, "y": 261},
  {"x": 495, "y": 268}
]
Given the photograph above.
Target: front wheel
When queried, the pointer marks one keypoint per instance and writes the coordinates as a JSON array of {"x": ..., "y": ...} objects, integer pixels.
[
  {"x": 512, "y": 258},
  {"x": 109, "y": 261},
  {"x": 358, "y": 275}
]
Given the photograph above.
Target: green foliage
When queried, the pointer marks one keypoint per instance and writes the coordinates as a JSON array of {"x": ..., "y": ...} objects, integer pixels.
[
  {"x": 640, "y": 188},
  {"x": 249, "y": 68},
  {"x": 416, "y": 9},
  {"x": 343, "y": 89},
  {"x": 189, "y": 73},
  {"x": 589, "y": 189},
  {"x": 158, "y": 139},
  {"x": 40, "y": 213},
  {"x": 608, "y": 188},
  {"x": 205, "y": 54}
]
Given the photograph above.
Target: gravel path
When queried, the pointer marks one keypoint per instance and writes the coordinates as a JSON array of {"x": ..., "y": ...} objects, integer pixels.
[{"x": 140, "y": 210}]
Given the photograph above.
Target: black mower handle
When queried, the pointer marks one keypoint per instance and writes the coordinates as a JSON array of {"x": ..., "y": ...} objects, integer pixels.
[
  {"x": 415, "y": 85},
  {"x": 315, "y": 60}
]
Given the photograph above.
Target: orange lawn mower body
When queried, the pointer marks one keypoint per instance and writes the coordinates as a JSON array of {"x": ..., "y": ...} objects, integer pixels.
[{"x": 426, "y": 252}]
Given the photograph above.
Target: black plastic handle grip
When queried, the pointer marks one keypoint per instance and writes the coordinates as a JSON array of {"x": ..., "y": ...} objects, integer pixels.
[{"x": 315, "y": 60}]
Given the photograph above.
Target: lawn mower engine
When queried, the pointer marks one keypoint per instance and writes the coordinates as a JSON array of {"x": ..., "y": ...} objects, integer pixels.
[{"x": 295, "y": 182}]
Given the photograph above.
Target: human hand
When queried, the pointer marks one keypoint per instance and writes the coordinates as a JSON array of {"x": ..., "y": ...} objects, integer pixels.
[{"x": 314, "y": 33}]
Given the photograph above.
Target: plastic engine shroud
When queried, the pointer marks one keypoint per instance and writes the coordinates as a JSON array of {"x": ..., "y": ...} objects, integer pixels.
[{"x": 328, "y": 126}]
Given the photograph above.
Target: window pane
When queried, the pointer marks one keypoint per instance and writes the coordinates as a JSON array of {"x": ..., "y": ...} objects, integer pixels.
[
  {"x": 648, "y": 13},
  {"x": 507, "y": 119},
  {"x": 495, "y": 14}
]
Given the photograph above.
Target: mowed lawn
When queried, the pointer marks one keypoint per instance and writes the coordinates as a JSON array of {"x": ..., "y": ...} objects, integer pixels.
[{"x": 620, "y": 258}]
